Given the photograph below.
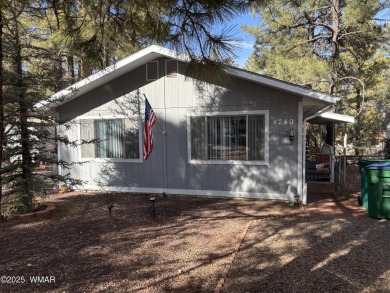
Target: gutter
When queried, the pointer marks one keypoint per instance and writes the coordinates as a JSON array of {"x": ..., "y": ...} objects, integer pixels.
[{"x": 304, "y": 185}]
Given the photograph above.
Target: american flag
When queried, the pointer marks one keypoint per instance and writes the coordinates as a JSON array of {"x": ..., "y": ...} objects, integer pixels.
[{"x": 150, "y": 119}]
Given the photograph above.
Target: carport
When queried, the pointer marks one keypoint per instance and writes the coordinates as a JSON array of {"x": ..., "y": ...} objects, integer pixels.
[{"x": 320, "y": 166}]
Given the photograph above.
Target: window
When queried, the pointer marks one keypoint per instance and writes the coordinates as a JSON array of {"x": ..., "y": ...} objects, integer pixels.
[
  {"x": 229, "y": 137},
  {"x": 110, "y": 138}
]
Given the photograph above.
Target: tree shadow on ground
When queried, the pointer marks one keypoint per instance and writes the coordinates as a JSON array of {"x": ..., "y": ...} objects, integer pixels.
[
  {"x": 183, "y": 249},
  {"x": 316, "y": 253}
]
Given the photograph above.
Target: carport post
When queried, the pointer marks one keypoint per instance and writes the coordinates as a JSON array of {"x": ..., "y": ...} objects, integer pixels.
[{"x": 345, "y": 157}]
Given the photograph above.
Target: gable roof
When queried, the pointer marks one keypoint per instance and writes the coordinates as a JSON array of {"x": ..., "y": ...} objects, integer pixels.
[{"x": 152, "y": 52}]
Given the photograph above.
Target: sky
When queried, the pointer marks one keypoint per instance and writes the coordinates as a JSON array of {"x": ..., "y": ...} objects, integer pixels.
[{"x": 246, "y": 41}]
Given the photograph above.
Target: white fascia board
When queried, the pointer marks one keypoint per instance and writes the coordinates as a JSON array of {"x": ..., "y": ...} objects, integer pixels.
[
  {"x": 281, "y": 85},
  {"x": 338, "y": 117},
  {"x": 114, "y": 71}
]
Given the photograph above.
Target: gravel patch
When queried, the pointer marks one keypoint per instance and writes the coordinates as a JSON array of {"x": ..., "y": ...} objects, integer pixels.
[
  {"x": 188, "y": 245},
  {"x": 313, "y": 253}
]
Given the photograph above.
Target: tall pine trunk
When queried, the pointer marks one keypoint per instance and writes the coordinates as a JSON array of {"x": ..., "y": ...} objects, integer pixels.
[
  {"x": 71, "y": 74},
  {"x": 27, "y": 167},
  {"x": 329, "y": 139},
  {"x": 2, "y": 126}
]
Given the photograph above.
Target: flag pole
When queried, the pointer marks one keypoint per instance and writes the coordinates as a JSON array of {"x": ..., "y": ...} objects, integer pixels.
[{"x": 158, "y": 121}]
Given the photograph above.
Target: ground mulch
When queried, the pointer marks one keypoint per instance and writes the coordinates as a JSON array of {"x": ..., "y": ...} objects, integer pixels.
[
  {"x": 184, "y": 248},
  {"x": 188, "y": 245}
]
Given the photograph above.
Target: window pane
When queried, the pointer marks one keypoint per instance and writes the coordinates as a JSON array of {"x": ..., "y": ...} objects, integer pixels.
[
  {"x": 256, "y": 125},
  {"x": 132, "y": 139},
  {"x": 87, "y": 133},
  {"x": 198, "y": 138},
  {"x": 227, "y": 138},
  {"x": 115, "y": 138},
  {"x": 110, "y": 138}
]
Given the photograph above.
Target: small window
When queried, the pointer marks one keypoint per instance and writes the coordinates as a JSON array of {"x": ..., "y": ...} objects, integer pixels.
[
  {"x": 110, "y": 138},
  {"x": 171, "y": 68},
  {"x": 152, "y": 70}
]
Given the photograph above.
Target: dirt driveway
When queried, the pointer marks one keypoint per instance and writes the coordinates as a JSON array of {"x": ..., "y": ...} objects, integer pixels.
[{"x": 188, "y": 245}]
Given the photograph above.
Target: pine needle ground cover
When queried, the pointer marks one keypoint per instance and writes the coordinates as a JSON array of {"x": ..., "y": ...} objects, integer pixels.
[{"x": 187, "y": 246}]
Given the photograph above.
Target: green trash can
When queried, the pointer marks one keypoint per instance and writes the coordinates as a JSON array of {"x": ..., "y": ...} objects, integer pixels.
[
  {"x": 363, "y": 178},
  {"x": 378, "y": 176}
]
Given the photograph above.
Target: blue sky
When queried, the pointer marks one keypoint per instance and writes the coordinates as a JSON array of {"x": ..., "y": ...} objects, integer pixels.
[{"x": 246, "y": 41}]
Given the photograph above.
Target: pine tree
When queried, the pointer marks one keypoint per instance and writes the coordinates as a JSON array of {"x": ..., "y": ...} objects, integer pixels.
[
  {"x": 330, "y": 45},
  {"x": 28, "y": 79},
  {"x": 99, "y": 33},
  {"x": 17, "y": 165}
]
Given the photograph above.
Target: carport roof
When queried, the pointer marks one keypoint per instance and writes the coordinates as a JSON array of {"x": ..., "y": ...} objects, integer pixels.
[{"x": 332, "y": 117}]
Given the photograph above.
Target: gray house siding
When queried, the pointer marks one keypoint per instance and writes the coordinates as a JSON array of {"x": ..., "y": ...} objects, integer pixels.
[{"x": 168, "y": 168}]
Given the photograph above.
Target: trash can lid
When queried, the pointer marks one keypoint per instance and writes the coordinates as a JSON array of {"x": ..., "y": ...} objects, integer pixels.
[
  {"x": 366, "y": 162},
  {"x": 379, "y": 166}
]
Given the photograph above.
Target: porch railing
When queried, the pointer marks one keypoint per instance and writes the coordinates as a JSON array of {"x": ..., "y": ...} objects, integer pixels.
[{"x": 320, "y": 167}]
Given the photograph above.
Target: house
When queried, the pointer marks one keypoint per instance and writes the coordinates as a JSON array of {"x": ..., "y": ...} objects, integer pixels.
[{"x": 243, "y": 138}]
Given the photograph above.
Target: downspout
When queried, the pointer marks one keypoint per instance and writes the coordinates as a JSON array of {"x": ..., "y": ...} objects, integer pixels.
[{"x": 304, "y": 185}]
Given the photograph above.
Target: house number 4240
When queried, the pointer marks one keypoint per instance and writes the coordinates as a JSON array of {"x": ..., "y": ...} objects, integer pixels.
[{"x": 283, "y": 121}]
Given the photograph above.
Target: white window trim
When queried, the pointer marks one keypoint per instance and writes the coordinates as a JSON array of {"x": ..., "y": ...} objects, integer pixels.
[
  {"x": 177, "y": 69},
  {"x": 158, "y": 71},
  {"x": 108, "y": 117},
  {"x": 230, "y": 113}
]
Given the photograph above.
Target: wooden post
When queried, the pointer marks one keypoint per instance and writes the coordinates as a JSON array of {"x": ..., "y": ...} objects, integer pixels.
[{"x": 339, "y": 176}]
